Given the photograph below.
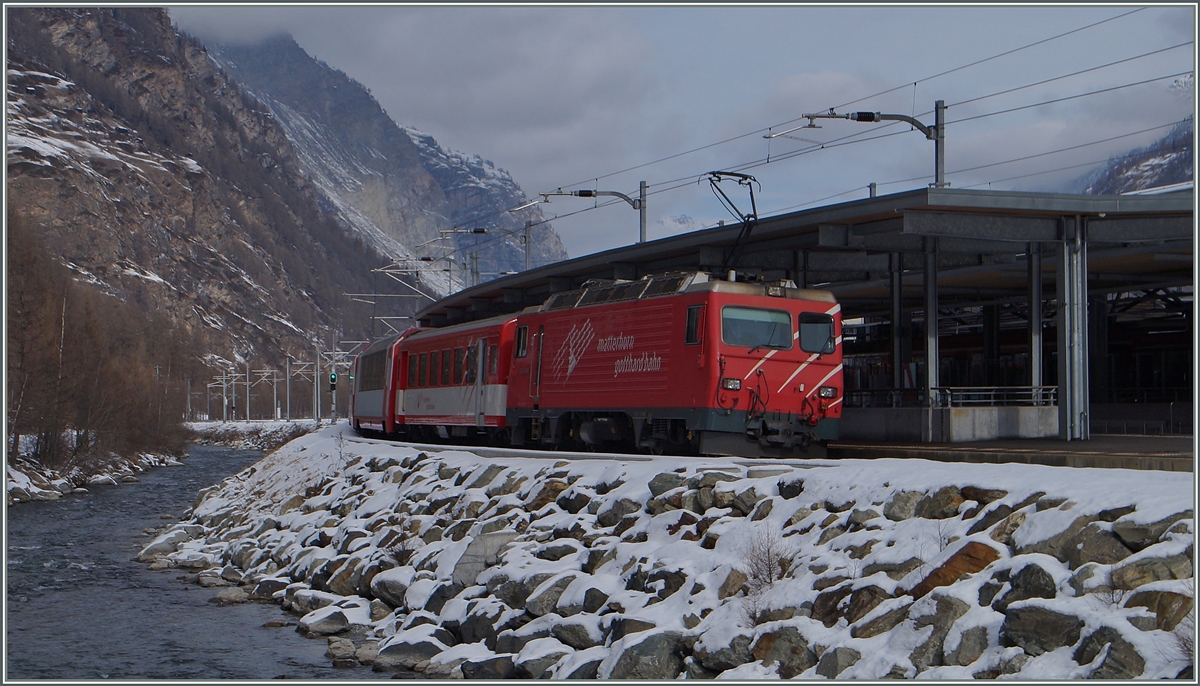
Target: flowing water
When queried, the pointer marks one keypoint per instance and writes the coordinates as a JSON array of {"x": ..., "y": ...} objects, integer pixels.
[{"x": 79, "y": 607}]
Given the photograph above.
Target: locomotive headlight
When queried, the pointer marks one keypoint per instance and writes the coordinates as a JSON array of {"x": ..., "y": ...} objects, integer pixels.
[
  {"x": 731, "y": 384},
  {"x": 827, "y": 392}
]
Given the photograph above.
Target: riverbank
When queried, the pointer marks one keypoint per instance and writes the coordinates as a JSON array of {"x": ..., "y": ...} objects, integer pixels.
[
  {"x": 458, "y": 565},
  {"x": 28, "y": 481}
]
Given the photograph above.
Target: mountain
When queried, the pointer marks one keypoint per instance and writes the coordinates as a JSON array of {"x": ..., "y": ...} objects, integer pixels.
[
  {"x": 394, "y": 185},
  {"x": 158, "y": 180},
  {"x": 1165, "y": 162}
]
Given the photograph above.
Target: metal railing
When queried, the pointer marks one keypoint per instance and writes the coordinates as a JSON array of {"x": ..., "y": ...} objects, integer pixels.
[
  {"x": 995, "y": 396},
  {"x": 955, "y": 396}
]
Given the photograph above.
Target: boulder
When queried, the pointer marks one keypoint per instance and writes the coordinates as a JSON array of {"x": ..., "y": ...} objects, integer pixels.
[
  {"x": 266, "y": 588},
  {"x": 1055, "y": 546},
  {"x": 545, "y": 597},
  {"x": 230, "y": 596},
  {"x": 733, "y": 583},
  {"x": 971, "y": 645},
  {"x": 666, "y": 481},
  {"x": 989, "y": 519},
  {"x": 1138, "y": 537},
  {"x": 826, "y": 607},
  {"x": 391, "y": 585},
  {"x": 787, "y": 648},
  {"x": 499, "y": 667},
  {"x": 616, "y": 511},
  {"x": 575, "y": 502},
  {"x": 790, "y": 487},
  {"x": 983, "y": 496},
  {"x": 1031, "y": 581},
  {"x": 546, "y": 494},
  {"x": 946, "y": 611},
  {"x": 623, "y": 626},
  {"x": 406, "y": 649},
  {"x": 1095, "y": 544},
  {"x": 581, "y": 633},
  {"x": 1147, "y": 570},
  {"x": 1169, "y": 608},
  {"x": 1121, "y": 660},
  {"x": 863, "y": 600},
  {"x": 745, "y": 501},
  {"x": 482, "y": 552},
  {"x": 884, "y": 621},
  {"x": 723, "y": 657},
  {"x": 943, "y": 504},
  {"x": 894, "y": 570},
  {"x": 322, "y": 623},
  {"x": 656, "y": 656},
  {"x": 834, "y": 662},
  {"x": 969, "y": 559},
  {"x": 1038, "y": 630}
]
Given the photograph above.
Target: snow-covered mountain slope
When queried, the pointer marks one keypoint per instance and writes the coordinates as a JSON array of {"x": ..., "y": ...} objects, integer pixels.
[{"x": 394, "y": 185}]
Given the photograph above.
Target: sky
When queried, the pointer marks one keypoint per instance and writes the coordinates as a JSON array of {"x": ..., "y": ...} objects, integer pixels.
[{"x": 603, "y": 97}]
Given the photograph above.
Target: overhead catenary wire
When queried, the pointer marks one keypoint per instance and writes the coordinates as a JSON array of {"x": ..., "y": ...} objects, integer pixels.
[{"x": 674, "y": 184}]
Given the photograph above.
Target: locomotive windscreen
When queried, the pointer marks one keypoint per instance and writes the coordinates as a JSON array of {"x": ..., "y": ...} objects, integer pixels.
[{"x": 756, "y": 328}]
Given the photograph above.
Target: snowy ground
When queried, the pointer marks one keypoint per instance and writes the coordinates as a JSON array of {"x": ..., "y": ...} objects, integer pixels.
[{"x": 459, "y": 565}]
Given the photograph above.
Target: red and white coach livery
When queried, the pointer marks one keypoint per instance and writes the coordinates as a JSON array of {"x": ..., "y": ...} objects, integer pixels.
[{"x": 677, "y": 363}]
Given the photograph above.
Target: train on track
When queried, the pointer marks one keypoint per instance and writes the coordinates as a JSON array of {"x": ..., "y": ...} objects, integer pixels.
[{"x": 679, "y": 363}]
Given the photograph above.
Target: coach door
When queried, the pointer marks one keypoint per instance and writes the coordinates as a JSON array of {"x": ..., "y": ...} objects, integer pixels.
[
  {"x": 535, "y": 379},
  {"x": 479, "y": 368}
]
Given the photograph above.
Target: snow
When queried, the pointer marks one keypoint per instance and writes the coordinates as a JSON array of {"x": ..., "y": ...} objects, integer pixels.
[{"x": 379, "y": 489}]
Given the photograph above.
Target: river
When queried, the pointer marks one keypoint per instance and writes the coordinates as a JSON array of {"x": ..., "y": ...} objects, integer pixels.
[{"x": 79, "y": 607}]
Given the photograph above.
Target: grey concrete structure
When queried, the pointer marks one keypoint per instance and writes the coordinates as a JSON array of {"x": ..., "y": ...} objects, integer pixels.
[{"x": 936, "y": 253}]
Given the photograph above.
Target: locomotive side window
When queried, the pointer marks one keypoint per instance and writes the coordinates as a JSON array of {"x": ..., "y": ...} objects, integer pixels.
[
  {"x": 816, "y": 333},
  {"x": 458, "y": 367},
  {"x": 695, "y": 314},
  {"x": 424, "y": 365},
  {"x": 752, "y": 327},
  {"x": 522, "y": 341},
  {"x": 446, "y": 367},
  {"x": 493, "y": 359}
]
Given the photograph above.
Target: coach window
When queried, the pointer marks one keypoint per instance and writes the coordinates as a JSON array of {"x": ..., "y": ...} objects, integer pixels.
[
  {"x": 435, "y": 366},
  {"x": 458, "y": 367},
  {"x": 446, "y": 367},
  {"x": 522, "y": 341},
  {"x": 695, "y": 315},
  {"x": 754, "y": 328},
  {"x": 424, "y": 365},
  {"x": 412, "y": 370},
  {"x": 816, "y": 333},
  {"x": 493, "y": 359}
]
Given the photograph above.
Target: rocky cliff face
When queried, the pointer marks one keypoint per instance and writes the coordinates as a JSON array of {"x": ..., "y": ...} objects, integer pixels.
[
  {"x": 158, "y": 180},
  {"x": 395, "y": 186}
]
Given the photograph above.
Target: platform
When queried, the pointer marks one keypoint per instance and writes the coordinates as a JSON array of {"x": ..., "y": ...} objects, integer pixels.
[{"x": 1165, "y": 453}]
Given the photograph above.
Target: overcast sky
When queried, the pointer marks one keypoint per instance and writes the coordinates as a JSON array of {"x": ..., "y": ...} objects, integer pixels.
[{"x": 572, "y": 97}]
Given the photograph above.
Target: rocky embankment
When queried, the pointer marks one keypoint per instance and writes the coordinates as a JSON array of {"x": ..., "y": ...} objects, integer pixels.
[{"x": 457, "y": 565}]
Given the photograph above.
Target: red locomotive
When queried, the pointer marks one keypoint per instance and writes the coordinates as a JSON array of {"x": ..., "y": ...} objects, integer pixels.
[{"x": 674, "y": 363}]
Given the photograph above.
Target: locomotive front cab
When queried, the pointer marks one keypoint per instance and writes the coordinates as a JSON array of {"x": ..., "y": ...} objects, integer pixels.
[{"x": 779, "y": 363}]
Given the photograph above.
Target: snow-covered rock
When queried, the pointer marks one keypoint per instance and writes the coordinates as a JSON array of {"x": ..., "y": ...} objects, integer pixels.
[{"x": 529, "y": 566}]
